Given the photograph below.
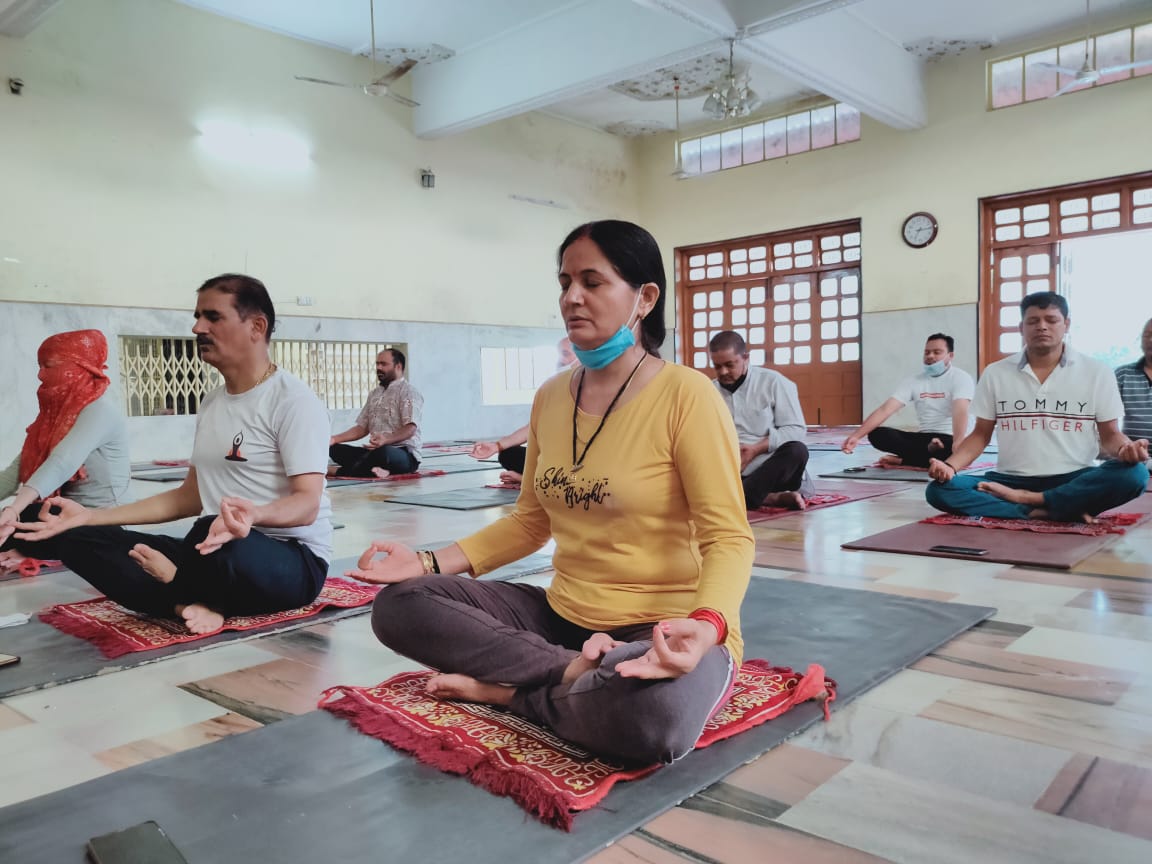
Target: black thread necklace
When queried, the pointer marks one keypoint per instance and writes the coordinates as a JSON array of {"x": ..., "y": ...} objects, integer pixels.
[{"x": 577, "y": 464}]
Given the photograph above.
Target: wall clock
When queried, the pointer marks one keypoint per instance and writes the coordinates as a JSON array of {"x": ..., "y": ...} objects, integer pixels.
[{"x": 920, "y": 229}]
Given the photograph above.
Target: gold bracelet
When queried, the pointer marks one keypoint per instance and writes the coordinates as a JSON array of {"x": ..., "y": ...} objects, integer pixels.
[{"x": 425, "y": 561}]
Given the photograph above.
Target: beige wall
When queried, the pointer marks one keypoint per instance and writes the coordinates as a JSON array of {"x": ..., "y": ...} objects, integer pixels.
[
  {"x": 109, "y": 200},
  {"x": 965, "y": 153}
]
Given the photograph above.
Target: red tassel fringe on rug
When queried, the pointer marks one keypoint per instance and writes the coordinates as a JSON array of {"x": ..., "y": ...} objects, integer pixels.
[
  {"x": 505, "y": 754},
  {"x": 116, "y": 631}
]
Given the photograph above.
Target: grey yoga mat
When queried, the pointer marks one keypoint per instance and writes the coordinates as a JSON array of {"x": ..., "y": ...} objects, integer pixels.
[{"x": 311, "y": 789}]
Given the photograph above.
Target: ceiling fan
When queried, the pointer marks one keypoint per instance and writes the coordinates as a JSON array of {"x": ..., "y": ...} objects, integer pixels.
[
  {"x": 378, "y": 86},
  {"x": 1088, "y": 74}
]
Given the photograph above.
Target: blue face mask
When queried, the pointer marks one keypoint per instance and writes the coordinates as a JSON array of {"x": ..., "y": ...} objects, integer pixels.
[
  {"x": 935, "y": 370},
  {"x": 617, "y": 344}
]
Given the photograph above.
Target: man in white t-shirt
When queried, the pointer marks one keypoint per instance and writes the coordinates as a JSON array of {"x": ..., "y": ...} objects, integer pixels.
[
  {"x": 770, "y": 426},
  {"x": 258, "y": 465},
  {"x": 940, "y": 393},
  {"x": 1052, "y": 409}
]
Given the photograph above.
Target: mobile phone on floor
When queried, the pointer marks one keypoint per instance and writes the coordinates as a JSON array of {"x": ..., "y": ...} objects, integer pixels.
[
  {"x": 853, "y": 470},
  {"x": 8, "y": 659},
  {"x": 145, "y": 843},
  {"x": 958, "y": 550}
]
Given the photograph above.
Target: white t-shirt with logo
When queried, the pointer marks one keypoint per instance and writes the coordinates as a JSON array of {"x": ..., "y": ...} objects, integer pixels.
[
  {"x": 250, "y": 444},
  {"x": 1048, "y": 428},
  {"x": 933, "y": 397}
]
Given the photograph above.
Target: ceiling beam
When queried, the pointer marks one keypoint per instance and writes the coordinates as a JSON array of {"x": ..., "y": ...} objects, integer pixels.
[
  {"x": 521, "y": 70},
  {"x": 18, "y": 18},
  {"x": 844, "y": 57}
]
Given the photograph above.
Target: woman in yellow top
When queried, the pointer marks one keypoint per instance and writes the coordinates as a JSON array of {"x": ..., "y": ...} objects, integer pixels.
[{"x": 634, "y": 468}]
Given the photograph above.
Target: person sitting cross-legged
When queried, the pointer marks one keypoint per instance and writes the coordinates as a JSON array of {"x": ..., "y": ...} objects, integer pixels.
[
  {"x": 769, "y": 421},
  {"x": 941, "y": 394},
  {"x": 1052, "y": 409},
  {"x": 258, "y": 462}
]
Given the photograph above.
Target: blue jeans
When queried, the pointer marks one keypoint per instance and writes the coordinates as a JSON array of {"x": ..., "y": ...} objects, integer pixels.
[{"x": 1067, "y": 497}]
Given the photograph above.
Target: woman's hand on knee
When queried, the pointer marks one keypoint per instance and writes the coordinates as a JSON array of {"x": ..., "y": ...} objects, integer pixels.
[
  {"x": 399, "y": 564},
  {"x": 678, "y": 646}
]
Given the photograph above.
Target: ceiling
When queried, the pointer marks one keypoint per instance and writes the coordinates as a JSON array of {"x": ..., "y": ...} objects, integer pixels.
[{"x": 590, "y": 60}]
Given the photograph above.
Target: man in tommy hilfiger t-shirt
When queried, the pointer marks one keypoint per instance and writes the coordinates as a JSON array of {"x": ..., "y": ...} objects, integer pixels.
[{"x": 1053, "y": 410}]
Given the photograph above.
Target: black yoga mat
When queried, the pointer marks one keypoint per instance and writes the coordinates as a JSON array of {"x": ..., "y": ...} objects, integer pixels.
[
  {"x": 311, "y": 789},
  {"x": 459, "y": 499}
]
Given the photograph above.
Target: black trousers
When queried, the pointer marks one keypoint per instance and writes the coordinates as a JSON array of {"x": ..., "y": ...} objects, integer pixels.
[
  {"x": 783, "y": 471},
  {"x": 512, "y": 458},
  {"x": 357, "y": 461},
  {"x": 252, "y": 576},
  {"x": 911, "y": 447},
  {"x": 45, "y": 550}
]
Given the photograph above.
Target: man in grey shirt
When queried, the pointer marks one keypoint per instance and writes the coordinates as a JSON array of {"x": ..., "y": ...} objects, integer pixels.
[
  {"x": 1135, "y": 382},
  {"x": 769, "y": 423},
  {"x": 391, "y": 420}
]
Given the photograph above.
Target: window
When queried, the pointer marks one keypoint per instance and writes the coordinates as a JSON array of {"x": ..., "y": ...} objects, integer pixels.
[
  {"x": 812, "y": 129},
  {"x": 1031, "y": 76},
  {"x": 511, "y": 376},
  {"x": 161, "y": 375}
]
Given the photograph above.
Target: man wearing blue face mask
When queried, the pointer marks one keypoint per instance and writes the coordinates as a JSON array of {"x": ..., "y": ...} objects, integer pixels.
[{"x": 940, "y": 393}]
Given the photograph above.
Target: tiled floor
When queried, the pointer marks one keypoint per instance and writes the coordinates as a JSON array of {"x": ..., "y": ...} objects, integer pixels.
[{"x": 1028, "y": 738}]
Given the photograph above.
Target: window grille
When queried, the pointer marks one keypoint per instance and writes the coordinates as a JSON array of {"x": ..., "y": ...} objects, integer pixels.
[{"x": 164, "y": 375}]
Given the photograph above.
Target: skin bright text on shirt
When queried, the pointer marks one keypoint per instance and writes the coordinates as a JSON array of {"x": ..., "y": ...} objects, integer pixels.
[{"x": 556, "y": 482}]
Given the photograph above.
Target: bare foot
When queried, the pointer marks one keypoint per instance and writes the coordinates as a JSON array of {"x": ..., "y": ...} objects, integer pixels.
[
  {"x": 511, "y": 477},
  {"x": 1016, "y": 496},
  {"x": 156, "y": 564},
  {"x": 935, "y": 445},
  {"x": 890, "y": 459},
  {"x": 789, "y": 500},
  {"x": 467, "y": 689},
  {"x": 1039, "y": 513},
  {"x": 381, "y": 473},
  {"x": 200, "y": 619}
]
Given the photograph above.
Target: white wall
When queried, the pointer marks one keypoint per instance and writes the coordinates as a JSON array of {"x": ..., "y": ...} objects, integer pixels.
[
  {"x": 109, "y": 198},
  {"x": 965, "y": 153}
]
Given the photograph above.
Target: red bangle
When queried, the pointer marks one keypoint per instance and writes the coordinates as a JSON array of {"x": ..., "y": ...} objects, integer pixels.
[{"x": 715, "y": 619}]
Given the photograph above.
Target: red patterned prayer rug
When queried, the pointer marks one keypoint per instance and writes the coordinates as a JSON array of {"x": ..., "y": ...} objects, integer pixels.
[
  {"x": 116, "y": 631},
  {"x": 173, "y": 463},
  {"x": 505, "y": 754},
  {"x": 1114, "y": 524}
]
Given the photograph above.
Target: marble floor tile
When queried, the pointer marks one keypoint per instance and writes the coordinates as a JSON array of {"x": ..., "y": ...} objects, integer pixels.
[
  {"x": 915, "y": 821},
  {"x": 1077, "y": 727},
  {"x": 785, "y": 774},
  {"x": 1105, "y": 793},
  {"x": 36, "y": 760},
  {"x": 1096, "y": 649},
  {"x": 962, "y": 659},
  {"x": 147, "y": 749},
  {"x": 113, "y": 710},
  {"x": 908, "y": 692},
  {"x": 636, "y": 849},
  {"x": 264, "y": 693},
  {"x": 10, "y": 718},
  {"x": 712, "y": 838},
  {"x": 1133, "y": 600},
  {"x": 942, "y": 753}
]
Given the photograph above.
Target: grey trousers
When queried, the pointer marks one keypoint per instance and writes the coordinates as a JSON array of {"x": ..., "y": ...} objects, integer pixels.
[{"x": 506, "y": 633}]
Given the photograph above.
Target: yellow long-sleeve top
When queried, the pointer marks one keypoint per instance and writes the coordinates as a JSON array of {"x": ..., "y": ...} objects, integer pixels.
[{"x": 652, "y": 526}]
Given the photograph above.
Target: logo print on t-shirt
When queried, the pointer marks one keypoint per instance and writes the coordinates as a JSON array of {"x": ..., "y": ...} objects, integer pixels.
[
  {"x": 235, "y": 456},
  {"x": 575, "y": 492}
]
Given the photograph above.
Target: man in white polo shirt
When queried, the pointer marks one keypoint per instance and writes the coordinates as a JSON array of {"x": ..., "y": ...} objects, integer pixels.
[
  {"x": 1052, "y": 409},
  {"x": 940, "y": 393},
  {"x": 769, "y": 424}
]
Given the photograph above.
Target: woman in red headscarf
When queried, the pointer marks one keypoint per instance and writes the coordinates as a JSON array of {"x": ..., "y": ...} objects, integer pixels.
[{"x": 78, "y": 443}]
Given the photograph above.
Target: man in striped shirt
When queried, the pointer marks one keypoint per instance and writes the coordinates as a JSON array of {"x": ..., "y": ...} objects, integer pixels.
[{"x": 1135, "y": 381}]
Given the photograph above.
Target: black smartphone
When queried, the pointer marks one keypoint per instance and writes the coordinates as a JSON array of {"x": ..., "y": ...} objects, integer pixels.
[
  {"x": 8, "y": 659},
  {"x": 145, "y": 843},
  {"x": 958, "y": 550},
  {"x": 856, "y": 470}
]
